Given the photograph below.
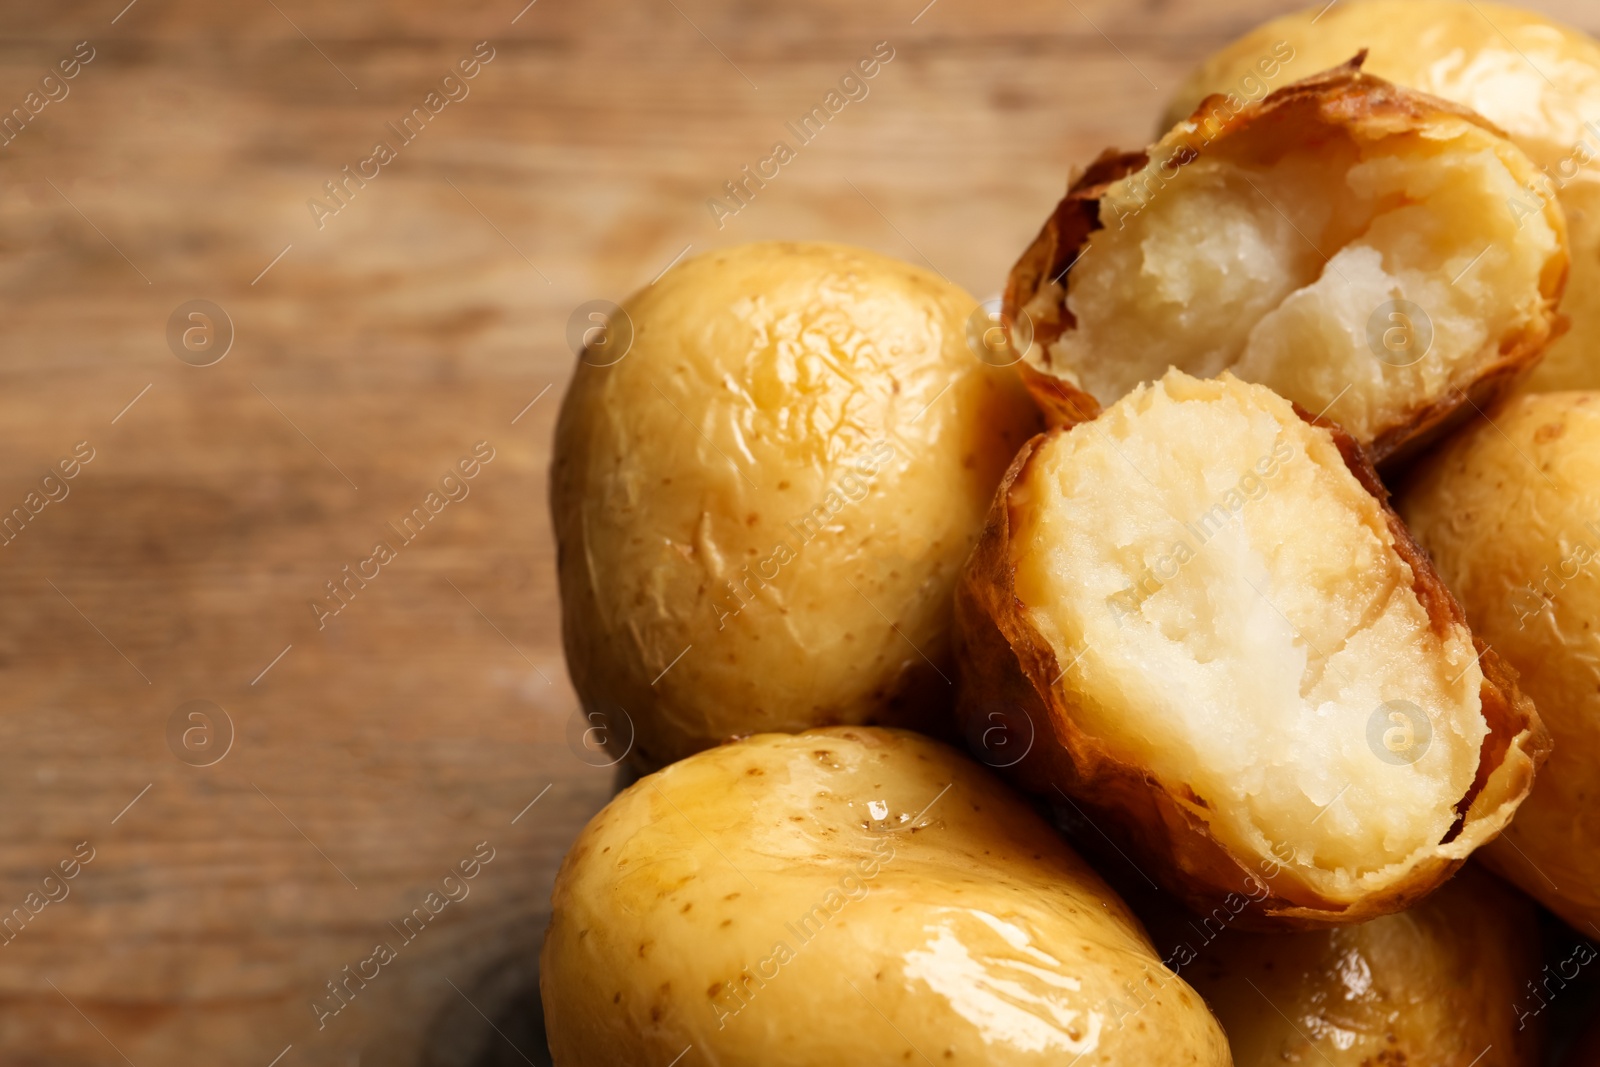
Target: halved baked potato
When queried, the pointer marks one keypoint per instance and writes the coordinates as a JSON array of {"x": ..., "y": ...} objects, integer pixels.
[
  {"x": 761, "y": 507},
  {"x": 1344, "y": 241},
  {"x": 849, "y": 895},
  {"x": 1510, "y": 511},
  {"x": 1533, "y": 77},
  {"x": 1227, "y": 649}
]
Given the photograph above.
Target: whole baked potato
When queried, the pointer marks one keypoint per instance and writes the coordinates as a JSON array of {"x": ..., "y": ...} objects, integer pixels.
[
  {"x": 1442, "y": 983},
  {"x": 1510, "y": 512},
  {"x": 761, "y": 507},
  {"x": 1347, "y": 242},
  {"x": 1197, "y": 617},
  {"x": 1531, "y": 76},
  {"x": 848, "y": 895}
]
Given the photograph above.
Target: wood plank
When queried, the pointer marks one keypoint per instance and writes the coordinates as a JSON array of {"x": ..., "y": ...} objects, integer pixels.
[{"x": 420, "y": 319}]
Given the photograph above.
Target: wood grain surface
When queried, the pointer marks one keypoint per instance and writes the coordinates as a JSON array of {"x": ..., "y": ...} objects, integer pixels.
[{"x": 369, "y": 355}]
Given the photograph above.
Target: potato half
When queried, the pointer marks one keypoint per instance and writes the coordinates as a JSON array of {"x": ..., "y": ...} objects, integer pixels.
[
  {"x": 1510, "y": 512},
  {"x": 1344, "y": 241},
  {"x": 1534, "y": 78},
  {"x": 1443, "y": 983},
  {"x": 1221, "y": 640},
  {"x": 762, "y": 506},
  {"x": 848, "y": 896}
]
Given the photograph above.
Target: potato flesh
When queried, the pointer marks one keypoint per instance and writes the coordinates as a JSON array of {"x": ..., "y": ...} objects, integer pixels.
[
  {"x": 1255, "y": 654},
  {"x": 1223, "y": 268},
  {"x": 1534, "y": 78}
]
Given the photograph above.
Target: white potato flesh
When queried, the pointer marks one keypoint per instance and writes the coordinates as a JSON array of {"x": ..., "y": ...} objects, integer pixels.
[
  {"x": 1277, "y": 270},
  {"x": 1203, "y": 556},
  {"x": 1535, "y": 78}
]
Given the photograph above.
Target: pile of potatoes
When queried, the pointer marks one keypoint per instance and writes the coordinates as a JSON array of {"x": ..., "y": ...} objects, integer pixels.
[{"x": 1062, "y": 686}]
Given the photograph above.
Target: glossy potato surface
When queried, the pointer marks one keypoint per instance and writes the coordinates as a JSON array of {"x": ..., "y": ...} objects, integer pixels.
[
  {"x": 1510, "y": 512},
  {"x": 849, "y": 895},
  {"x": 1442, "y": 983},
  {"x": 762, "y": 506},
  {"x": 1534, "y": 78}
]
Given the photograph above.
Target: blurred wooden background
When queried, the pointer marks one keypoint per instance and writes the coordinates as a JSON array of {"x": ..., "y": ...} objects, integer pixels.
[{"x": 424, "y": 317}]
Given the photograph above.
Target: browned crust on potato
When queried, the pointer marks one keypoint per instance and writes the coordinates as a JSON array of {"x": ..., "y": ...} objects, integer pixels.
[
  {"x": 1007, "y": 668},
  {"x": 1341, "y": 98}
]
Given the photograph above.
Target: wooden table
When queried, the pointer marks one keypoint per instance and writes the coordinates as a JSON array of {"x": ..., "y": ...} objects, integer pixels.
[{"x": 372, "y": 751}]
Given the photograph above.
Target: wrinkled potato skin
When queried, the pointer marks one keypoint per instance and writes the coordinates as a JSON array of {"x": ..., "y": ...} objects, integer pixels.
[
  {"x": 1347, "y": 99},
  {"x": 1495, "y": 507},
  {"x": 1007, "y": 675},
  {"x": 1447, "y": 48},
  {"x": 1438, "y": 984},
  {"x": 687, "y": 881},
  {"x": 765, "y": 381}
]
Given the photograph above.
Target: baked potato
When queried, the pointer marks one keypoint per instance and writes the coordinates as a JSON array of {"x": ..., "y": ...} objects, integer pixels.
[
  {"x": 1510, "y": 512},
  {"x": 1443, "y": 983},
  {"x": 1344, "y": 241},
  {"x": 1227, "y": 649},
  {"x": 841, "y": 896},
  {"x": 1531, "y": 76},
  {"x": 761, "y": 507}
]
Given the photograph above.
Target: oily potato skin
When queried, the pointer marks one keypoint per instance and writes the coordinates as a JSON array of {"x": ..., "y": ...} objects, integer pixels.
[
  {"x": 954, "y": 924},
  {"x": 1344, "y": 101},
  {"x": 1438, "y": 984},
  {"x": 1007, "y": 682},
  {"x": 765, "y": 382},
  {"x": 1510, "y": 511},
  {"x": 1534, "y": 78}
]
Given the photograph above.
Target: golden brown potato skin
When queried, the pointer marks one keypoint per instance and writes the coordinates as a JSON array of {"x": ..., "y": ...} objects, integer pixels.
[
  {"x": 1534, "y": 78},
  {"x": 1439, "y": 984},
  {"x": 778, "y": 483},
  {"x": 850, "y": 895},
  {"x": 1510, "y": 511},
  {"x": 1344, "y": 100},
  {"x": 1006, "y": 681}
]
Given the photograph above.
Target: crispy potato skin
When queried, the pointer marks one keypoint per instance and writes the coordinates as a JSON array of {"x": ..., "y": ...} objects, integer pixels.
[
  {"x": 1510, "y": 511},
  {"x": 1534, "y": 78},
  {"x": 782, "y": 477},
  {"x": 1437, "y": 984},
  {"x": 1342, "y": 100},
  {"x": 832, "y": 897},
  {"x": 1006, "y": 680}
]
